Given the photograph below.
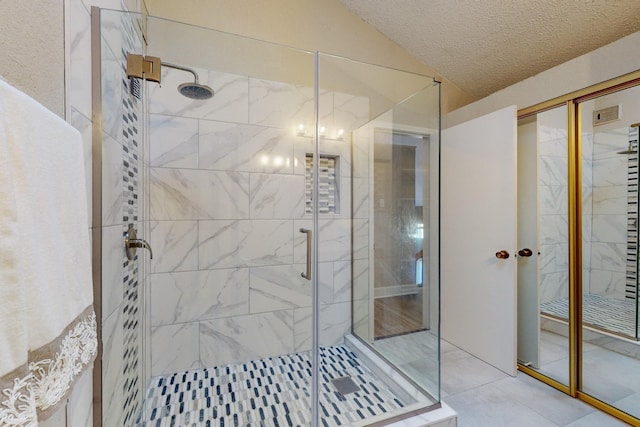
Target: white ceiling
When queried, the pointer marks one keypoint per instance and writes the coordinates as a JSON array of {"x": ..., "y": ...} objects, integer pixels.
[{"x": 485, "y": 45}]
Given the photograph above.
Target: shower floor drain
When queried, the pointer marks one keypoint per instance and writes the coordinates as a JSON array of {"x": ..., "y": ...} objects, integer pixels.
[{"x": 345, "y": 385}]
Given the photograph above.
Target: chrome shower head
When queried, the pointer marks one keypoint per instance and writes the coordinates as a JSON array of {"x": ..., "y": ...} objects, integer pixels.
[
  {"x": 629, "y": 150},
  {"x": 195, "y": 91}
]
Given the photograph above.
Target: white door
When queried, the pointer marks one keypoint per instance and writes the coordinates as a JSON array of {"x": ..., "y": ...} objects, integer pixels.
[{"x": 478, "y": 219}]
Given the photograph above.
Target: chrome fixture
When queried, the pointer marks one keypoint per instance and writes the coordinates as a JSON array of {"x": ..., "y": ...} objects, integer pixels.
[
  {"x": 150, "y": 68},
  {"x": 309, "y": 233},
  {"x": 131, "y": 243}
]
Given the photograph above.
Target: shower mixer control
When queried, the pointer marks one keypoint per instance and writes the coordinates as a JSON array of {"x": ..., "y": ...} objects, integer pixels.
[{"x": 131, "y": 243}]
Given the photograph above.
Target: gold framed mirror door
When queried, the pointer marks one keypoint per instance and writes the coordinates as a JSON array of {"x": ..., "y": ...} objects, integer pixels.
[{"x": 578, "y": 308}]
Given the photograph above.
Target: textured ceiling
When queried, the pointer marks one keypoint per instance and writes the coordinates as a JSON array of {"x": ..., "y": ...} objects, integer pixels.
[{"x": 485, "y": 45}]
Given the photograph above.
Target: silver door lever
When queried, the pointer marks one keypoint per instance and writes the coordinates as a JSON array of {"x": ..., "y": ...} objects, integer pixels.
[
  {"x": 131, "y": 243},
  {"x": 307, "y": 274}
]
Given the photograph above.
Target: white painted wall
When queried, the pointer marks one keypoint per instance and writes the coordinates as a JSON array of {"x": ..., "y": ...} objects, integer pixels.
[
  {"x": 610, "y": 61},
  {"x": 326, "y": 26},
  {"x": 32, "y": 46}
]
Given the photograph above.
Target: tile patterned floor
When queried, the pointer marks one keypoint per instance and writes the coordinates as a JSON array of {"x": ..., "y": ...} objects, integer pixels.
[
  {"x": 268, "y": 392},
  {"x": 610, "y": 314}
]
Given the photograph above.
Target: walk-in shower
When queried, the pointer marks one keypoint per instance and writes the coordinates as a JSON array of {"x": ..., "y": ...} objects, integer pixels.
[
  {"x": 244, "y": 197},
  {"x": 610, "y": 220}
]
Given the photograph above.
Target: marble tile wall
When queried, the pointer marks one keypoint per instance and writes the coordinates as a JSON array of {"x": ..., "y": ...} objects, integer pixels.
[
  {"x": 609, "y": 219},
  {"x": 604, "y": 206},
  {"x": 227, "y": 198},
  {"x": 553, "y": 205},
  {"x": 121, "y": 206}
]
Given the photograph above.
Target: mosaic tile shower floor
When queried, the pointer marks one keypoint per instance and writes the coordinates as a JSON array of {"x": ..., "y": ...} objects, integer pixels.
[
  {"x": 269, "y": 392},
  {"x": 610, "y": 314}
]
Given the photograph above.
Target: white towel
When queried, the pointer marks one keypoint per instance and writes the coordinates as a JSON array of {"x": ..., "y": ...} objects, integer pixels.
[{"x": 47, "y": 282}]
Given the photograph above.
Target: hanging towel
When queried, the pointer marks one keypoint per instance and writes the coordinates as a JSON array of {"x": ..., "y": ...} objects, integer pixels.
[{"x": 47, "y": 322}]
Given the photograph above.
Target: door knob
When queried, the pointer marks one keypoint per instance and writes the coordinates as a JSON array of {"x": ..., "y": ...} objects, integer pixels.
[
  {"x": 502, "y": 254},
  {"x": 526, "y": 252}
]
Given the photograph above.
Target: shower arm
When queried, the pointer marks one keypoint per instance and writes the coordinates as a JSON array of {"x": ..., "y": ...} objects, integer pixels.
[{"x": 180, "y": 67}]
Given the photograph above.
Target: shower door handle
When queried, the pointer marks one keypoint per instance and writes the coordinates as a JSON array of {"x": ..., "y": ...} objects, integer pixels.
[{"x": 309, "y": 233}]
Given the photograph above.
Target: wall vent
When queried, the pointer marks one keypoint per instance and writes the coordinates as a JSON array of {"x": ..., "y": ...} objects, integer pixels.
[{"x": 606, "y": 115}]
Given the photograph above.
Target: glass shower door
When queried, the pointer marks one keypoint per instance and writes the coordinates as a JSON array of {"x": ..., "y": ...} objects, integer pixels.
[
  {"x": 230, "y": 313},
  {"x": 378, "y": 129},
  {"x": 118, "y": 207}
]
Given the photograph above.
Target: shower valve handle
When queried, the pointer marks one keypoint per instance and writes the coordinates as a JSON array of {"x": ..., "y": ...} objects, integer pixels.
[{"x": 131, "y": 242}]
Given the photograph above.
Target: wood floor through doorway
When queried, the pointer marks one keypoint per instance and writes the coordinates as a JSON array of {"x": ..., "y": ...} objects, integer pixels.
[{"x": 397, "y": 315}]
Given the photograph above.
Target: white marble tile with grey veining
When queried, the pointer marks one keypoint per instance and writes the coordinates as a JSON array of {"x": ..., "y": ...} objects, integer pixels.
[
  {"x": 610, "y": 283},
  {"x": 244, "y": 243},
  {"x": 552, "y": 171},
  {"x": 335, "y": 323},
  {"x": 175, "y": 245},
  {"x": 360, "y": 197},
  {"x": 361, "y": 319},
  {"x": 609, "y": 256},
  {"x": 243, "y": 338},
  {"x": 554, "y": 258},
  {"x": 242, "y": 147},
  {"x": 610, "y": 172},
  {"x": 342, "y": 280},
  {"x": 350, "y": 111},
  {"x": 80, "y": 406},
  {"x": 275, "y": 196},
  {"x": 326, "y": 278},
  {"x": 360, "y": 238},
  {"x": 554, "y": 286},
  {"x": 84, "y": 126},
  {"x": 112, "y": 91},
  {"x": 114, "y": 257},
  {"x": 553, "y": 147},
  {"x": 112, "y": 365},
  {"x": 610, "y": 200},
  {"x": 334, "y": 240},
  {"x": 173, "y": 142},
  {"x": 341, "y": 149},
  {"x": 79, "y": 57},
  {"x": 609, "y": 228},
  {"x": 278, "y": 287},
  {"x": 302, "y": 329},
  {"x": 553, "y": 199},
  {"x": 553, "y": 229},
  {"x": 111, "y": 28},
  {"x": 199, "y": 295},
  {"x": 282, "y": 105},
  {"x": 112, "y": 181},
  {"x": 607, "y": 144},
  {"x": 361, "y": 283},
  {"x": 198, "y": 194},
  {"x": 174, "y": 348},
  {"x": 360, "y": 153},
  {"x": 229, "y": 103}
]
